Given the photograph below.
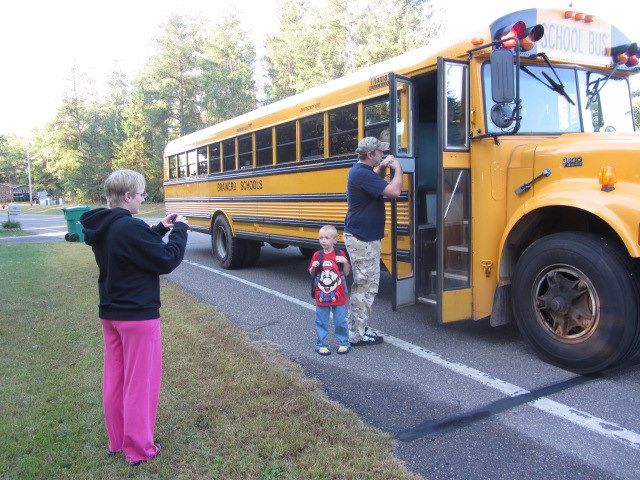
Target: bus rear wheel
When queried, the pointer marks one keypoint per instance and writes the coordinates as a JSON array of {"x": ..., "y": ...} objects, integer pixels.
[
  {"x": 226, "y": 248},
  {"x": 575, "y": 300}
]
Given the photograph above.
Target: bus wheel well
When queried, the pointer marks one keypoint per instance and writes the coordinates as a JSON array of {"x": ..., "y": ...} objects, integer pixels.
[
  {"x": 215, "y": 215},
  {"x": 537, "y": 224},
  {"x": 547, "y": 221}
]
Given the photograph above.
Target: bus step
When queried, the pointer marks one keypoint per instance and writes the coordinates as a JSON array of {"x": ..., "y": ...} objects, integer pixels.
[
  {"x": 458, "y": 248},
  {"x": 453, "y": 279},
  {"x": 462, "y": 277},
  {"x": 429, "y": 299}
]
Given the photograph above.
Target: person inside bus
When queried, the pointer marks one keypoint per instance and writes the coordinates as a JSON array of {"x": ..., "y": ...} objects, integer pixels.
[
  {"x": 364, "y": 230},
  {"x": 328, "y": 268},
  {"x": 131, "y": 256}
]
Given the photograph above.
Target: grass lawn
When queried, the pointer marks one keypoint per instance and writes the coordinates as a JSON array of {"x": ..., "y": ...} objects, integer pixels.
[
  {"x": 147, "y": 209},
  {"x": 12, "y": 232},
  {"x": 230, "y": 408}
]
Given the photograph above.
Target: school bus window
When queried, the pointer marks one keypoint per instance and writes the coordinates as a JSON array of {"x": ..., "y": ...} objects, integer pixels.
[
  {"x": 312, "y": 137},
  {"x": 456, "y": 238},
  {"x": 543, "y": 110},
  {"x": 202, "y": 160},
  {"x": 376, "y": 118},
  {"x": 173, "y": 167},
  {"x": 609, "y": 109},
  {"x": 214, "y": 158},
  {"x": 403, "y": 120},
  {"x": 343, "y": 130},
  {"x": 182, "y": 165},
  {"x": 264, "y": 150},
  {"x": 229, "y": 154},
  {"x": 286, "y": 143},
  {"x": 192, "y": 161},
  {"x": 456, "y": 88},
  {"x": 245, "y": 151}
]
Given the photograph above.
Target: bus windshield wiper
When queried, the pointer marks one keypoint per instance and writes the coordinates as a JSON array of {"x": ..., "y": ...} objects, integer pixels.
[
  {"x": 591, "y": 94},
  {"x": 553, "y": 85},
  {"x": 558, "y": 87}
]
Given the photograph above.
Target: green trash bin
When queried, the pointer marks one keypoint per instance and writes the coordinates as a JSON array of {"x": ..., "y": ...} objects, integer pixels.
[{"x": 74, "y": 228}]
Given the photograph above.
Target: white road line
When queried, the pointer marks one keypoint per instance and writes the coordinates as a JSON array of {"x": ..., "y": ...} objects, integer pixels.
[
  {"x": 52, "y": 227},
  {"x": 615, "y": 432}
]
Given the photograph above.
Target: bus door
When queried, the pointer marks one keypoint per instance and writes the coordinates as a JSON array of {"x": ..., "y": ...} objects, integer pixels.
[
  {"x": 402, "y": 109},
  {"x": 453, "y": 200}
]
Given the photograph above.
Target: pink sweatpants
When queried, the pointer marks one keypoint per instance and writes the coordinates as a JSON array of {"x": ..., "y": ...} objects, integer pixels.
[{"x": 131, "y": 385}]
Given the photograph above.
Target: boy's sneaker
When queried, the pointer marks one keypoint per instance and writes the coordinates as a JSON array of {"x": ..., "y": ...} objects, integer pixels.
[
  {"x": 366, "y": 340},
  {"x": 323, "y": 351},
  {"x": 372, "y": 332},
  {"x": 342, "y": 349}
]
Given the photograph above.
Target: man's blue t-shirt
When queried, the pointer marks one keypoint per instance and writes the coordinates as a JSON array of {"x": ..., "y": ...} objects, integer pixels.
[{"x": 365, "y": 213}]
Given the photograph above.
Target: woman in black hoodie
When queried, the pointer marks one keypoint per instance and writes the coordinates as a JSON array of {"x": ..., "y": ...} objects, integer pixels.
[{"x": 131, "y": 256}]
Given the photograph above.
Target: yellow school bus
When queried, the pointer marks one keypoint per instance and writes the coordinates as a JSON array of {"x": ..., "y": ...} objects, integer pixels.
[{"x": 521, "y": 183}]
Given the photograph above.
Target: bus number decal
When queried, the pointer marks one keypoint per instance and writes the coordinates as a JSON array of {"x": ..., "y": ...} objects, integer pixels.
[{"x": 379, "y": 82}]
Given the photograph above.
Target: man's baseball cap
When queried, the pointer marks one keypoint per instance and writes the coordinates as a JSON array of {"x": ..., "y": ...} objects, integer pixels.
[{"x": 371, "y": 144}]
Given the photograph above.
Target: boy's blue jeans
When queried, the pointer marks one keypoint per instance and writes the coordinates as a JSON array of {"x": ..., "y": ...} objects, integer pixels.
[{"x": 323, "y": 325}]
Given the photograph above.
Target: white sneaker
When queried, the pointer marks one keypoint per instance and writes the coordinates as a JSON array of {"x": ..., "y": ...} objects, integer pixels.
[
  {"x": 366, "y": 340},
  {"x": 372, "y": 332}
]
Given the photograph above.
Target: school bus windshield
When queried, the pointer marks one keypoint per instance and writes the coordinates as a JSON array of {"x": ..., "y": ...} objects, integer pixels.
[
  {"x": 606, "y": 104},
  {"x": 545, "y": 110}
]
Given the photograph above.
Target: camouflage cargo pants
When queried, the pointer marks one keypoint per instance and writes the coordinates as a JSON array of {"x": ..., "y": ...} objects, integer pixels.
[{"x": 365, "y": 265}]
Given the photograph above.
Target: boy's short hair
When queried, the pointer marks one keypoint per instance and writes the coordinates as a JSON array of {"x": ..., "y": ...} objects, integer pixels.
[
  {"x": 120, "y": 182},
  {"x": 329, "y": 229}
]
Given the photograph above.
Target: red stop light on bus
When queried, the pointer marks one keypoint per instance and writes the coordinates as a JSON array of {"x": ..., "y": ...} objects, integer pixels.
[
  {"x": 632, "y": 53},
  {"x": 519, "y": 33},
  {"x": 626, "y": 53},
  {"x": 509, "y": 36}
]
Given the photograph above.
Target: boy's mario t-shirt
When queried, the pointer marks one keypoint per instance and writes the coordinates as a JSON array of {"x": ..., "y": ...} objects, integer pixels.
[{"x": 330, "y": 289}]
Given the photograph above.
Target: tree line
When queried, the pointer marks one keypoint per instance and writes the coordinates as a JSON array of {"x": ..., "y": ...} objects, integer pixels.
[
  {"x": 203, "y": 74},
  {"x": 200, "y": 75}
]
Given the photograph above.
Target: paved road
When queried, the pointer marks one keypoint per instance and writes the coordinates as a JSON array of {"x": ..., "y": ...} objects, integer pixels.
[{"x": 464, "y": 401}]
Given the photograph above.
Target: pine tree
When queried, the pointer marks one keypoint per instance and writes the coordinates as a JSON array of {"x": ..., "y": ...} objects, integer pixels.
[{"x": 228, "y": 87}]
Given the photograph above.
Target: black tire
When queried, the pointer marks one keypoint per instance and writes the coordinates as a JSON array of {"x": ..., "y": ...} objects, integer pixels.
[
  {"x": 251, "y": 253},
  {"x": 575, "y": 299},
  {"x": 71, "y": 237},
  {"x": 279, "y": 246},
  {"x": 226, "y": 248},
  {"x": 307, "y": 252}
]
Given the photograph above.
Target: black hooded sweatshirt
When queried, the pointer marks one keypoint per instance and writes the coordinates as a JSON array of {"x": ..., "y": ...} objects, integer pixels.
[{"x": 131, "y": 256}]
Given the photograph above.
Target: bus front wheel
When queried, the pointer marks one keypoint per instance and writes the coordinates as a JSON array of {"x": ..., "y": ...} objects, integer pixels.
[
  {"x": 227, "y": 249},
  {"x": 575, "y": 299}
]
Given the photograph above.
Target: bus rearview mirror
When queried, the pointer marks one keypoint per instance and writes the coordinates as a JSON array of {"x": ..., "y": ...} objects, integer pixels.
[{"x": 502, "y": 78}]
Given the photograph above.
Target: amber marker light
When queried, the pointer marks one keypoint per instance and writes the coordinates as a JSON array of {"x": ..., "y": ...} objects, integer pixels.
[
  {"x": 477, "y": 41},
  {"x": 578, "y": 17},
  {"x": 569, "y": 14},
  {"x": 589, "y": 18},
  {"x": 607, "y": 178}
]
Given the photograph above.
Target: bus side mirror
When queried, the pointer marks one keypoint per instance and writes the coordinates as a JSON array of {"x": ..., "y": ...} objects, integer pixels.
[{"x": 502, "y": 78}]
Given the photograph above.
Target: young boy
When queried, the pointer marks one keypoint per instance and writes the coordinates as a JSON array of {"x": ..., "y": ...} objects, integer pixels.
[{"x": 330, "y": 293}]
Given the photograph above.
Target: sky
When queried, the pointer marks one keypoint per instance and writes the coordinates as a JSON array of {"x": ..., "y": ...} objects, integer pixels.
[{"x": 41, "y": 40}]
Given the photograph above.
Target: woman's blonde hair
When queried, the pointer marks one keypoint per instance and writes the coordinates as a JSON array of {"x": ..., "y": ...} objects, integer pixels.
[{"x": 120, "y": 182}]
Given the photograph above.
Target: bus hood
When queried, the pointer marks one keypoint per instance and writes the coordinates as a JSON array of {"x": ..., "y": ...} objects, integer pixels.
[{"x": 583, "y": 155}]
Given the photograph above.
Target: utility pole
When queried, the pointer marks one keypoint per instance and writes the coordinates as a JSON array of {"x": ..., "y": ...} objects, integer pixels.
[{"x": 29, "y": 173}]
